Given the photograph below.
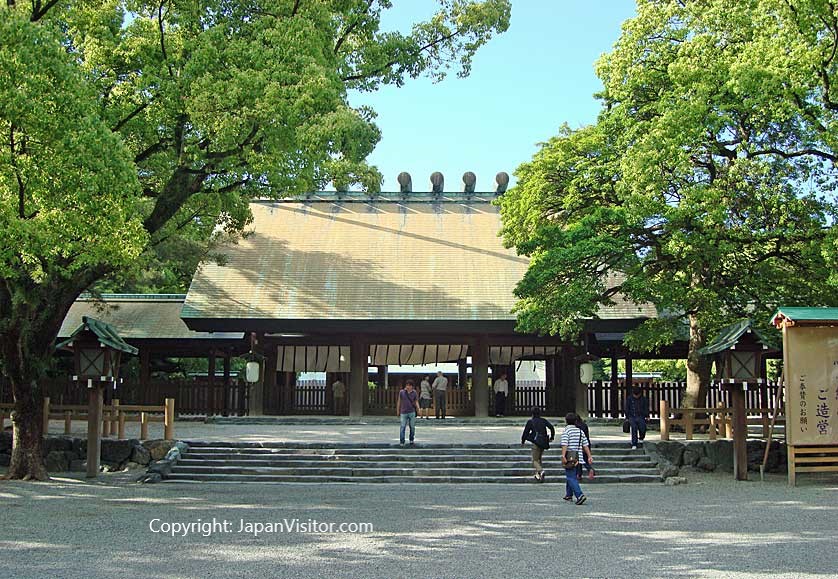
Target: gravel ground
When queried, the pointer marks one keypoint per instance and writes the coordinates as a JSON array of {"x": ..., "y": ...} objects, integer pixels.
[{"x": 711, "y": 527}]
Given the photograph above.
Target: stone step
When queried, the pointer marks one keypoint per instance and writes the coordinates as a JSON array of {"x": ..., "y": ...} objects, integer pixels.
[
  {"x": 378, "y": 446},
  {"x": 257, "y": 462},
  {"x": 303, "y": 458},
  {"x": 378, "y": 470},
  {"x": 406, "y": 451},
  {"x": 240, "y": 478}
]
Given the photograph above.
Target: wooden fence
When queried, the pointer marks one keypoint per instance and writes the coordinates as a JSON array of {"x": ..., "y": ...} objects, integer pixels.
[
  {"x": 458, "y": 401},
  {"x": 194, "y": 397},
  {"x": 114, "y": 416},
  {"x": 601, "y": 397},
  {"x": 717, "y": 420}
]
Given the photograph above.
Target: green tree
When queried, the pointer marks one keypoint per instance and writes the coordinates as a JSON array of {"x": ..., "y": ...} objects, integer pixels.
[
  {"x": 135, "y": 134},
  {"x": 706, "y": 185}
]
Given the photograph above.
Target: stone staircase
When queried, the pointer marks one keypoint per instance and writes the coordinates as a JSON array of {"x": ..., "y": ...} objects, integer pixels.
[{"x": 387, "y": 463}]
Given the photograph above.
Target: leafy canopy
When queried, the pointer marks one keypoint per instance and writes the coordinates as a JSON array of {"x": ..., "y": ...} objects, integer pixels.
[{"x": 707, "y": 184}]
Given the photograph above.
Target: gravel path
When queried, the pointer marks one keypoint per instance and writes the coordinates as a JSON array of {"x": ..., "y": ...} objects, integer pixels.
[{"x": 711, "y": 527}]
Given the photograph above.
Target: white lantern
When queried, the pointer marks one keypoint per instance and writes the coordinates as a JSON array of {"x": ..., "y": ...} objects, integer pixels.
[
  {"x": 586, "y": 373},
  {"x": 251, "y": 373}
]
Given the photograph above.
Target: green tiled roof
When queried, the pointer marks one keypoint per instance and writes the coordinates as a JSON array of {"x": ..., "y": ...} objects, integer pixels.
[
  {"x": 382, "y": 260},
  {"x": 138, "y": 317},
  {"x": 106, "y": 334},
  {"x": 807, "y": 314},
  {"x": 729, "y": 336}
]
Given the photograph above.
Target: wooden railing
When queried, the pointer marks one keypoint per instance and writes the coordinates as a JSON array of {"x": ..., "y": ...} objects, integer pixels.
[
  {"x": 718, "y": 420},
  {"x": 601, "y": 396},
  {"x": 194, "y": 397},
  {"x": 114, "y": 417},
  {"x": 458, "y": 401}
]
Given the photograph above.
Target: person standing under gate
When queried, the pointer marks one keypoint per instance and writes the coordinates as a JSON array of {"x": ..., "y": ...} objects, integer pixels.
[
  {"x": 339, "y": 395},
  {"x": 425, "y": 397},
  {"x": 406, "y": 410},
  {"x": 576, "y": 450},
  {"x": 501, "y": 388},
  {"x": 536, "y": 432},
  {"x": 440, "y": 389},
  {"x": 637, "y": 412}
]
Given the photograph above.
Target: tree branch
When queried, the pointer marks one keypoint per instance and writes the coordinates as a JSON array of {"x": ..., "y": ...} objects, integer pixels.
[
  {"x": 352, "y": 26},
  {"x": 385, "y": 67},
  {"x": 130, "y": 116},
  {"x": 38, "y": 11},
  {"x": 162, "y": 38}
]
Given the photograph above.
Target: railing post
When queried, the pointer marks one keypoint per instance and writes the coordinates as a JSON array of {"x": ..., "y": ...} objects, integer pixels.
[
  {"x": 169, "y": 420},
  {"x": 68, "y": 421},
  {"x": 689, "y": 416},
  {"x": 728, "y": 423},
  {"x": 46, "y": 415},
  {"x": 143, "y": 426},
  {"x": 664, "y": 420},
  {"x": 712, "y": 432},
  {"x": 120, "y": 421},
  {"x": 106, "y": 421},
  {"x": 2, "y": 420}
]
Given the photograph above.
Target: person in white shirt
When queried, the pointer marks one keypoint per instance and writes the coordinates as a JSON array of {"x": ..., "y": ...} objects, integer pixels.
[
  {"x": 440, "y": 389},
  {"x": 501, "y": 388},
  {"x": 576, "y": 450},
  {"x": 425, "y": 397},
  {"x": 339, "y": 395}
]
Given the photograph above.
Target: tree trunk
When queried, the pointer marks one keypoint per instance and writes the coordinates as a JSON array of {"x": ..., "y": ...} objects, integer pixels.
[
  {"x": 698, "y": 368},
  {"x": 27, "y": 447}
]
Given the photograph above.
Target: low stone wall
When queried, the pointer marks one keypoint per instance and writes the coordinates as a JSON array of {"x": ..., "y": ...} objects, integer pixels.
[
  {"x": 162, "y": 468},
  {"x": 69, "y": 454},
  {"x": 678, "y": 458}
]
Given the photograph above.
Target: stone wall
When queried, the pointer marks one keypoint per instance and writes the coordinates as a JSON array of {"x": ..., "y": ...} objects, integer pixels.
[
  {"x": 676, "y": 457},
  {"x": 68, "y": 454}
]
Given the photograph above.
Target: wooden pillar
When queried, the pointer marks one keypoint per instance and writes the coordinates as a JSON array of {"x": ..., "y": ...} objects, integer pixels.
[
  {"x": 226, "y": 403},
  {"x": 382, "y": 377},
  {"x": 480, "y": 376},
  {"x": 211, "y": 407},
  {"x": 268, "y": 381},
  {"x": 613, "y": 392},
  {"x": 551, "y": 384},
  {"x": 145, "y": 371},
  {"x": 359, "y": 352},
  {"x": 740, "y": 432},
  {"x": 94, "y": 430},
  {"x": 462, "y": 371},
  {"x": 267, "y": 375},
  {"x": 510, "y": 378}
]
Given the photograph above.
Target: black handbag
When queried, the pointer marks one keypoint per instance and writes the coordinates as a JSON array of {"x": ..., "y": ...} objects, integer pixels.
[{"x": 626, "y": 426}]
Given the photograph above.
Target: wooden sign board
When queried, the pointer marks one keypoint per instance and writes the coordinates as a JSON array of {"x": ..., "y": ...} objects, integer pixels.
[{"x": 810, "y": 356}]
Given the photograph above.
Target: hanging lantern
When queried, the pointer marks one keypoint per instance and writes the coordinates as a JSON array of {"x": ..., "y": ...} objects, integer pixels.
[
  {"x": 586, "y": 372},
  {"x": 251, "y": 373}
]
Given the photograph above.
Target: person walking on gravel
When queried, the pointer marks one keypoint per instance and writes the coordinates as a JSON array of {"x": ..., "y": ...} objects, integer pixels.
[
  {"x": 536, "y": 432},
  {"x": 576, "y": 450}
]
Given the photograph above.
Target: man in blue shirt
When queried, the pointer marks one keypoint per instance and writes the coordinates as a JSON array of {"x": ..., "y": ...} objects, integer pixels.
[{"x": 408, "y": 406}]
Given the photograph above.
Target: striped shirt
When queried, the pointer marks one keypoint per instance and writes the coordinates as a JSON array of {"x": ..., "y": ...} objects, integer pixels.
[{"x": 575, "y": 439}]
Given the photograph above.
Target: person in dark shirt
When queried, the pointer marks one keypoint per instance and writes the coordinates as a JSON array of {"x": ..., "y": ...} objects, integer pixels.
[
  {"x": 536, "y": 432},
  {"x": 637, "y": 412},
  {"x": 583, "y": 426},
  {"x": 407, "y": 408}
]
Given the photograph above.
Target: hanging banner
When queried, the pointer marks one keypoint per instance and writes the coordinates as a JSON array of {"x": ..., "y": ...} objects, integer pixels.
[{"x": 810, "y": 356}]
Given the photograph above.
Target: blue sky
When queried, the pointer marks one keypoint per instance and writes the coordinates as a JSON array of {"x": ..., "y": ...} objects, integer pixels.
[{"x": 524, "y": 84}]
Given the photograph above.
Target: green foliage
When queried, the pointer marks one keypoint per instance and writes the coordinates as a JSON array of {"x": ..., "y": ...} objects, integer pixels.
[{"x": 706, "y": 187}]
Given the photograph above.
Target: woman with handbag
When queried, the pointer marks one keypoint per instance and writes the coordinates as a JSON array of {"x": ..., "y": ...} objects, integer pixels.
[
  {"x": 536, "y": 432},
  {"x": 576, "y": 450}
]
